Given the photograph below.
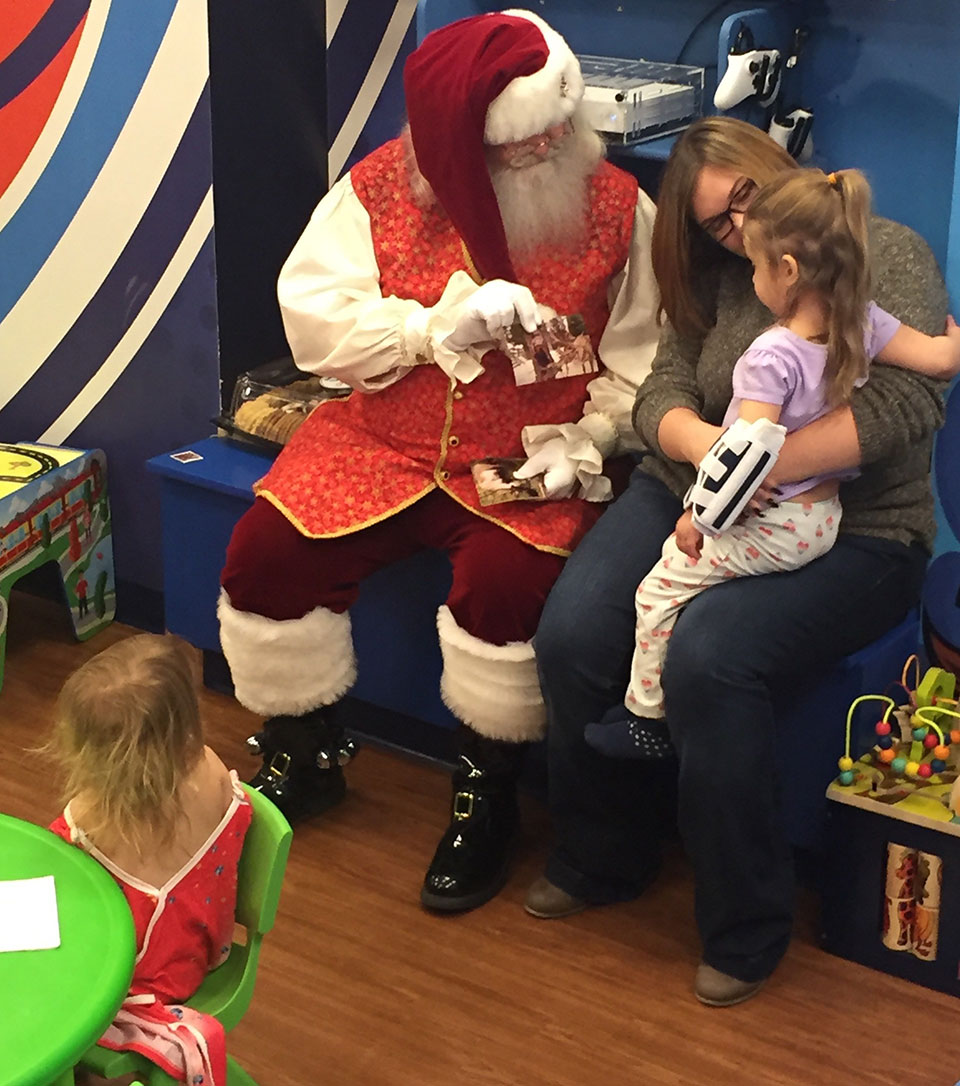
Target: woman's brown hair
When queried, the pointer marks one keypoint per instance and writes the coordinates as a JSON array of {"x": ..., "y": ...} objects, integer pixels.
[
  {"x": 823, "y": 222},
  {"x": 127, "y": 734},
  {"x": 680, "y": 247}
]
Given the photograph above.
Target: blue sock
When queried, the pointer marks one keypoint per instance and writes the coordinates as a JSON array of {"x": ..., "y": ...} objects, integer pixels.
[{"x": 622, "y": 734}]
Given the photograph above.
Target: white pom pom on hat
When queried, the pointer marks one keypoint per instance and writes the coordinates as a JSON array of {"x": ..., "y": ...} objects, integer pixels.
[{"x": 533, "y": 103}]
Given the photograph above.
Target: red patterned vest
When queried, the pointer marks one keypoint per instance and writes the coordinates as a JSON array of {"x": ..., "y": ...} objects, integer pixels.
[{"x": 359, "y": 460}]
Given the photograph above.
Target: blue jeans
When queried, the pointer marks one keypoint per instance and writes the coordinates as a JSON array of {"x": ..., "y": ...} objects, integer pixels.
[{"x": 736, "y": 649}]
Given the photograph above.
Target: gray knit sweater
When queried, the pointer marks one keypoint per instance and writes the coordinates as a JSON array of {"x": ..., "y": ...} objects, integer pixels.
[{"x": 896, "y": 412}]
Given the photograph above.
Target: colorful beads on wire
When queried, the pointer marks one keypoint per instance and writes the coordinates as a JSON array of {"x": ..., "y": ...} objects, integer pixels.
[{"x": 919, "y": 750}]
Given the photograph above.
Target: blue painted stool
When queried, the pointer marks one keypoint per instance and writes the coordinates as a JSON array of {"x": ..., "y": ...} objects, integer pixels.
[{"x": 54, "y": 508}]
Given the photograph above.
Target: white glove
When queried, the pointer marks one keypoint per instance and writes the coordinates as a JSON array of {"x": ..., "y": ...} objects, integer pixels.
[
  {"x": 489, "y": 310},
  {"x": 558, "y": 469}
]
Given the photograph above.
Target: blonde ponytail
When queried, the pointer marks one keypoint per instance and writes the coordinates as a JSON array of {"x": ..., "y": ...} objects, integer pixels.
[
  {"x": 846, "y": 359},
  {"x": 823, "y": 222}
]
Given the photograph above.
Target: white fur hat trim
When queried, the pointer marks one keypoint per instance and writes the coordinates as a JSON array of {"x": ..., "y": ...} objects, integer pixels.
[{"x": 533, "y": 103}]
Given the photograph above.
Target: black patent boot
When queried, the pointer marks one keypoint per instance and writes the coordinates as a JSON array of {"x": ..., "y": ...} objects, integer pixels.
[
  {"x": 303, "y": 760},
  {"x": 471, "y": 863}
]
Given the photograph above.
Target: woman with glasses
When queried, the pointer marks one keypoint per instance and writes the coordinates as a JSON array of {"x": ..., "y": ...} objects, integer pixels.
[{"x": 734, "y": 649}]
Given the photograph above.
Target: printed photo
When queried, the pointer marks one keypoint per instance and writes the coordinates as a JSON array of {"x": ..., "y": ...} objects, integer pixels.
[
  {"x": 560, "y": 347},
  {"x": 495, "y": 482}
]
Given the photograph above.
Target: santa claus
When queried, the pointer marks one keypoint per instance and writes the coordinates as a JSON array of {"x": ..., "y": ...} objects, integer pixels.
[{"x": 495, "y": 206}]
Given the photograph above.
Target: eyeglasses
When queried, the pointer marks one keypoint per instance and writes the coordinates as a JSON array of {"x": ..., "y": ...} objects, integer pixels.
[{"x": 719, "y": 227}]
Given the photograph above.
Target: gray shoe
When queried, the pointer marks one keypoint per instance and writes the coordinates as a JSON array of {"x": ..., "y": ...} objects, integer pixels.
[
  {"x": 717, "y": 989},
  {"x": 549, "y": 902}
]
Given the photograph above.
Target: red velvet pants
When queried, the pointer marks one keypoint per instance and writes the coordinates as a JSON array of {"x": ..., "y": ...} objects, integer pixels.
[{"x": 499, "y": 583}]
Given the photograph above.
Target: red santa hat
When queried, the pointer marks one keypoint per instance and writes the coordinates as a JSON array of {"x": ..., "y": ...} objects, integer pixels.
[{"x": 486, "y": 79}]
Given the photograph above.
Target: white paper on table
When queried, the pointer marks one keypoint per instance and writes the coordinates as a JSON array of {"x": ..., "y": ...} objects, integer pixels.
[{"x": 28, "y": 914}]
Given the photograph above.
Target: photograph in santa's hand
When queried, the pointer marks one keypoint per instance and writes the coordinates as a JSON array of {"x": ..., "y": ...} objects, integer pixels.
[
  {"x": 560, "y": 347},
  {"x": 495, "y": 482}
]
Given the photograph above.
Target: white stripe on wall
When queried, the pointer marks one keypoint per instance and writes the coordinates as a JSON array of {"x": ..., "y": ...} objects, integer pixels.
[
  {"x": 143, "y": 324},
  {"x": 113, "y": 207},
  {"x": 56, "y": 124},
  {"x": 372, "y": 85},
  {"x": 335, "y": 10}
]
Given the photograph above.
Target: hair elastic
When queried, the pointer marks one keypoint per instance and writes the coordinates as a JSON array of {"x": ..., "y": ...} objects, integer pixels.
[{"x": 833, "y": 181}]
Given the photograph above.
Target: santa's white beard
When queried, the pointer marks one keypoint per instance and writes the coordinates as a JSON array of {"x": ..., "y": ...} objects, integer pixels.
[{"x": 546, "y": 203}]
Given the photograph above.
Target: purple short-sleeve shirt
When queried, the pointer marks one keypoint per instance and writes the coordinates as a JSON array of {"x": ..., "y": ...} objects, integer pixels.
[{"x": 782, "y": 368}]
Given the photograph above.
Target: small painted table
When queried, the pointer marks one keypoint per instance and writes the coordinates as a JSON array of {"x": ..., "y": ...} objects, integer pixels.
[
  {"x": 54, "y": 508},
  {"x": 55, "y": 1003}
]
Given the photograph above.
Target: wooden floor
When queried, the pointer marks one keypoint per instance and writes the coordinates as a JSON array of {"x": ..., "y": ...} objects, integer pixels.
[{"x": 358, "y": 986}]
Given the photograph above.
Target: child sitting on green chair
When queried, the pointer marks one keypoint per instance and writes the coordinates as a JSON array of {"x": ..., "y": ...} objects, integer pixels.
[{"x": 160, "y": 811}]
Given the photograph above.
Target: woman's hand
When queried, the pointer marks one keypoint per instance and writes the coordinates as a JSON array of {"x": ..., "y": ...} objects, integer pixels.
[{"x": 689, "y": 538}]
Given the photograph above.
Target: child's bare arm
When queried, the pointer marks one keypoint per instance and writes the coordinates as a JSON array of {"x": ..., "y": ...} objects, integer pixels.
[
  {"x": 933, "y": 356},
  {"x": 751, "y": 410}
]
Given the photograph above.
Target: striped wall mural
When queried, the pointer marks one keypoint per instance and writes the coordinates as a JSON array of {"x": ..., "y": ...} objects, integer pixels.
[
  {"x": 107, "y": 303},
  {"x": 367, "y": 44}
]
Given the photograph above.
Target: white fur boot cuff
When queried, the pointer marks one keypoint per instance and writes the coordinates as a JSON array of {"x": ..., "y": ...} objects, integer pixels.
[
  {"x": 493, "y": 688},
  {"x": 287, "y": 666}
]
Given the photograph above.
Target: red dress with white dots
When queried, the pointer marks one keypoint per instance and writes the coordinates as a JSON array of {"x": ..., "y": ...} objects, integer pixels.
[{"x": 184, "y": 930}]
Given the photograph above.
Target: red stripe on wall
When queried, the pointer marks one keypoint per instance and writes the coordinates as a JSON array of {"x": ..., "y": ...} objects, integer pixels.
[{"x": 22, "y": 119}]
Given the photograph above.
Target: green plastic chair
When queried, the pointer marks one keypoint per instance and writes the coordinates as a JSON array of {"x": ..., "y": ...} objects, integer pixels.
[{"x": 227, "y": 991}]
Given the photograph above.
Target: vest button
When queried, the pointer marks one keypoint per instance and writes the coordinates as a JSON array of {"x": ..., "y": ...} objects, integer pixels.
[
  {"x": 444, "y": 474},
  {"x": 454, "y": 441},
  {"x": 458, "y": 395}
]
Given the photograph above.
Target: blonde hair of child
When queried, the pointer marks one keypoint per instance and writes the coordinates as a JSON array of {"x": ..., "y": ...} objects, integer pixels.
[
  {"x": 127, "y": 734},
  {"x": 823, "y": 222}
]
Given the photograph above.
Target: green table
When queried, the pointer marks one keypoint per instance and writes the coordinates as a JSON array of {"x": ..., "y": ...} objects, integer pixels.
[{"x": 55, "y": 1003}]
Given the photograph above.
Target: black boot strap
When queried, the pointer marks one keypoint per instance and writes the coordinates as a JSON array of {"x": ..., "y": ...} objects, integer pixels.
[{"x": 470, "y": 802}]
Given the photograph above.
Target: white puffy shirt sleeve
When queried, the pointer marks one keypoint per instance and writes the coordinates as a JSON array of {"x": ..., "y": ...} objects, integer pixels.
[
  {"x": 627, "y": 349},
  {"x": 629, "y": 342},
  {"x": 337, "y": 321}
]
